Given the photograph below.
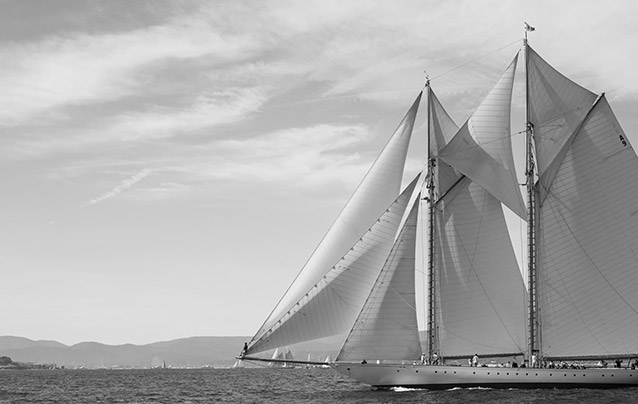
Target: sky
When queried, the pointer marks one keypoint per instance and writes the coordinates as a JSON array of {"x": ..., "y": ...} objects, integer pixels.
[{"x": 167, "y": 167}]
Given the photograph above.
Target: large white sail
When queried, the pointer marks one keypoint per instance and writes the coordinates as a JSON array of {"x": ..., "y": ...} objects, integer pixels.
[
  {"x": 481, "y": 296},
  {"x": 332, "y": 304},
  {"x": 482, "y": 149},
  {"x": 386, "y": 329},
  {"x": 377, "y": 190},
  {"x": 587, "y": 261}
]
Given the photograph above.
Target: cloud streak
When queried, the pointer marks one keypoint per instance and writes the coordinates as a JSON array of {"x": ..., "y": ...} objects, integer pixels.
[{"x": 123, "y": 186}]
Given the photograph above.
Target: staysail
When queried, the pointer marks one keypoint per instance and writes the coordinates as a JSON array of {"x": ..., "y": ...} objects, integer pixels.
[
  {"x": 587, "y": 253},
  {"x": 375, "y": 193},
  {"x": 481, "y": 294},
  {"x": 387, "y": 329}
]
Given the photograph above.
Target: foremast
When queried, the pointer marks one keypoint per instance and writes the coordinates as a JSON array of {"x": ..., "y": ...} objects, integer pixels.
[
  {"x": 533, "y": 336},
  {"x": 430, "y": 184},
  {"x": 533, "y": 332}
]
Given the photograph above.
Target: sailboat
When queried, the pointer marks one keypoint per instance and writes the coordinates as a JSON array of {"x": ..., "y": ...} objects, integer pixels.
[
  {"x": 577, "y": 303},
  {"x": 281, "y": 358}
]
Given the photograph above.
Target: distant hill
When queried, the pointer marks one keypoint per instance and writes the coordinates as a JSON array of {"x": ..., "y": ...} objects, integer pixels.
[
  {"x": 184, "y": 352},
  {"x": 10, "y": 342}
]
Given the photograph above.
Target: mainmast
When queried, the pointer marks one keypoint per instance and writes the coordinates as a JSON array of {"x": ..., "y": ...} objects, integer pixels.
[
  {"x": 432, "y": 327},
  {"x": 533, "y": 329}
]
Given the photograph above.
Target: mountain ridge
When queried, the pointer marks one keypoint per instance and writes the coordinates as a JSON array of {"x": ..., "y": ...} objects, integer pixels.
[{"x": 198, "y": 351}]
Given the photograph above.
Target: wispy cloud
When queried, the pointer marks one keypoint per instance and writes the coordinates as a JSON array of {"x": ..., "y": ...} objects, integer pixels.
[
  {"x": 123, "y": 186},
  {"x": 300, "y": 157},
  {"x": 37, "y": 77},
  {"x": 216, "y": 108}
]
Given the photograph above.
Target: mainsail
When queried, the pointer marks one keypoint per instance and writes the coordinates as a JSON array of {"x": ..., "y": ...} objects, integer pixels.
[
  {"x": 587, "y": 254},
  {"x": 375, "y": 193}
]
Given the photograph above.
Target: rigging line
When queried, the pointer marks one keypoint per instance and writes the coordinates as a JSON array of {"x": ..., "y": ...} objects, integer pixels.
[
  {"x": 400, "y": 296},
  {"x": 474, "y": 60}
]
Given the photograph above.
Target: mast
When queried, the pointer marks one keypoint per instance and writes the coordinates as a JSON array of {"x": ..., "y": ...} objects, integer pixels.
[
  {"x": 431, "y": 281},
  {"x": 533, "y": 329}
]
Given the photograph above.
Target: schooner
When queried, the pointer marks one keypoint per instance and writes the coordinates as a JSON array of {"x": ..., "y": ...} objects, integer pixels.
[{"x": 578, "y": 302}]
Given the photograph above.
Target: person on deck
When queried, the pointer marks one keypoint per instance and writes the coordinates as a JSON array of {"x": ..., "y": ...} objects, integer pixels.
[{"x": 475, "y": 360}]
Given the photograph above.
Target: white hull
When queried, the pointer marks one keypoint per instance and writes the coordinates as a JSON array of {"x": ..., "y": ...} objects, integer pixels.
[{"x": 444, "y": 377}]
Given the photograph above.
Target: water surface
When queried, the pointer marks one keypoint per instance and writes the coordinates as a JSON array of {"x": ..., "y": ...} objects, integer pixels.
[{"x": 256, "y": 386}]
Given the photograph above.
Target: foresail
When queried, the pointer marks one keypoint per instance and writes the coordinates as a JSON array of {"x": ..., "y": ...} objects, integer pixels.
[
  {"x": 377, "y": 190},
  {"x": 386, "y": 328},
  {"x": 481, "y": 295},
  {"x": 481, "y": 300},
  {"x": 332, "y": 304},
  {"x": 588, "y": 247},
  {"x": 482, "y": 149}
]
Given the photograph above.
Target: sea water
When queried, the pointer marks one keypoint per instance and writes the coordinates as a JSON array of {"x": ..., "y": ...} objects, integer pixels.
[{"x": 256, "y": 386}]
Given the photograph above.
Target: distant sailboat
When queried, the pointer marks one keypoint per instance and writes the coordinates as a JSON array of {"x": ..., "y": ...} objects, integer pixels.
[
  {"x": 239, "y": 363},
  {"x": 282, "y": 358},
  {"x": 579, "y": 302}
]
